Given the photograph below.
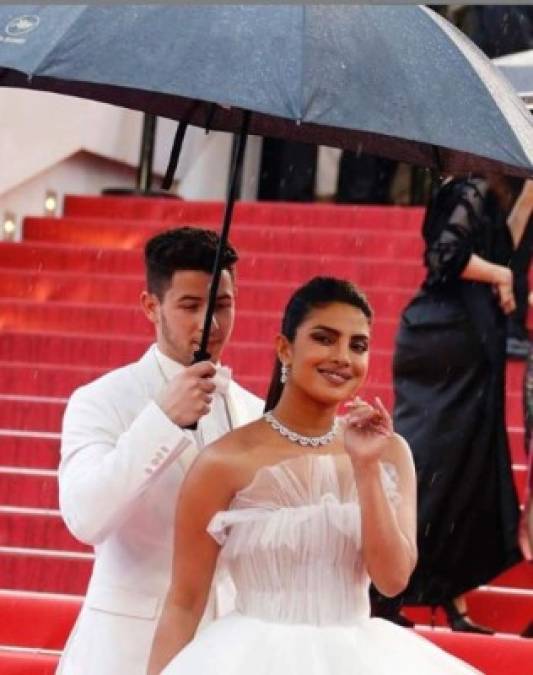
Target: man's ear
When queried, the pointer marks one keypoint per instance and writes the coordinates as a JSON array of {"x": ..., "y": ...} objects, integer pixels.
[
  {"x": 283, "y": 349},
  {"x": 151, "y": 306}
]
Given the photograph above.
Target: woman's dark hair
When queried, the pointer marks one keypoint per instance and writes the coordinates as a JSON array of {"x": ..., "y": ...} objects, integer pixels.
[
  {"x": 318, "y": 292},
  {"x": 184, "y": 248}
]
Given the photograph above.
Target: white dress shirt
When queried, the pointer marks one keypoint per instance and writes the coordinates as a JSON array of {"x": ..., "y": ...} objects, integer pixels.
[{"x": 218, "y": 421}]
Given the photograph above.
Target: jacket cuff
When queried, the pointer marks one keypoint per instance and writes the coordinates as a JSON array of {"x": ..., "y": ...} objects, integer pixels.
[{"x": 166, "y": 439}]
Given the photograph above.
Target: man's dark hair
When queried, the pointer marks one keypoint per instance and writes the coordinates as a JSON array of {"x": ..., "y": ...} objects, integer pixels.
[{"x": 184, "y": 248}]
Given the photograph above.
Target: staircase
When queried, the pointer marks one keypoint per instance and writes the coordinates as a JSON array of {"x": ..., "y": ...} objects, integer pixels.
[{"x": 69, "y": 312}]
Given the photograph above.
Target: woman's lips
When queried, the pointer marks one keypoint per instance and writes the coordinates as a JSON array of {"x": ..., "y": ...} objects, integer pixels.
[{"x": 335, "y": 377}]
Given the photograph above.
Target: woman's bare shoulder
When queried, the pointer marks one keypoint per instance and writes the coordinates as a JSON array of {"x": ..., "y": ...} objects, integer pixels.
[{"x": 231, "y": 458}]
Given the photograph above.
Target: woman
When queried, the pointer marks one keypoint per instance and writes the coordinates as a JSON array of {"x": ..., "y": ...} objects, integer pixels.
[
  {"x": 300, "y": 510},
  {"x": 449, "y": 368}
]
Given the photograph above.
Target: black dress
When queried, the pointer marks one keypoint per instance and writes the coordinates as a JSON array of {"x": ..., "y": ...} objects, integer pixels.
[{"x": 449, "y": 371}]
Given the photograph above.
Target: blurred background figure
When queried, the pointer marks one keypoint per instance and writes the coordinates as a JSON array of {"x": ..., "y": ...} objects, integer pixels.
[
  {"x": 365, "y": 179},
  {"x": 449, "y": 368},
  {"x": 521, "y": 225}
]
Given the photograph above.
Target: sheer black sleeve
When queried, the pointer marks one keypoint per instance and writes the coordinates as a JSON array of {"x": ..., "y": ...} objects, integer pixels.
[{"x": 451, "y": 227}]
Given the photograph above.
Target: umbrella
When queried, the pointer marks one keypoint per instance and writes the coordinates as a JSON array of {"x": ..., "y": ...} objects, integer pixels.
[
  {"x": 518, "y": 69},
  {"x": 396, "y": 81},
  {"x": 399, "y": 81}
]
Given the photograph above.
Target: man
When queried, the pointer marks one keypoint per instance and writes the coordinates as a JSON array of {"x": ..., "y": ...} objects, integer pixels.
[{"x": 125, "y": 450}]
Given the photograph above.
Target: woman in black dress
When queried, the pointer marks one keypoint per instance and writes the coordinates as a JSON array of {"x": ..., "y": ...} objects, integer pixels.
[{"x": 449, "y": 368}]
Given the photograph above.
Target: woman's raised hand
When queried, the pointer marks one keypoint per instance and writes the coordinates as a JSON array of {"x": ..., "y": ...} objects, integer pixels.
[{"x": 368, "y": 430}]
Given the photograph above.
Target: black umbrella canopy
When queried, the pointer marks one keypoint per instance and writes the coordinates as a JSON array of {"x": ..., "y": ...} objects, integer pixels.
[{"x": 397, "y": 81}]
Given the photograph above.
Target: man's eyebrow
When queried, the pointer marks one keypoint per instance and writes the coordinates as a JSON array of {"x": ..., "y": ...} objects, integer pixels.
[
  {"x": 189, "y": 297},
  {"x": 200, "y": 298}
]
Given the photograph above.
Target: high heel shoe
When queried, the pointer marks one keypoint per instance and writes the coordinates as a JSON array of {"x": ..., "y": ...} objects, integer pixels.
[
  {"x": 401, "y": 620},
  {"x": 397, "y": 617},
  {"x": 460, "y": 621},
  {"x": 392, "y": 613}
]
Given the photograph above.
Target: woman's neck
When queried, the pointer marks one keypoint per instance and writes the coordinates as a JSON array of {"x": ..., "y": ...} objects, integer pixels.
[{"x": 303, "y": 414}]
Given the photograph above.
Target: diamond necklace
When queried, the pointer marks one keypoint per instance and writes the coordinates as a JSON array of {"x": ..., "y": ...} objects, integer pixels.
[{"x": 295, "y": 437}]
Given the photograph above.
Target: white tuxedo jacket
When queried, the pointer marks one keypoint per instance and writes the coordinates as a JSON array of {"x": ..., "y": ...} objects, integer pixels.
[{"x": 122, "y": 462}]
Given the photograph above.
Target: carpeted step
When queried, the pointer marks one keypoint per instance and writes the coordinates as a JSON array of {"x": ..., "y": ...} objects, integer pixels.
[
  {"x": 506, "y": 610},
  {"x": 37, "y": 620},
  {"x": 514, "y": 375},
  {"x": 516, "y": 443},
  {"x": 270, "y": 214},
  {"x": 29, "y": 488},
  {"x": 29, "y": 449},
  {"x": 125, "y": 290},
  {"x": 520, "y": 479},
  {"x": 71, "y": 348},
  {"x": 27, "y": 662},
  {"x": 70, "y": 286},
  {"x": 492, "y": 655},
  {"x": 367, "y": 272},
  {"x": 37, "y": 528},
  {"x": 31, "y": 413},
  {"x": 115, "y": 319},
  {"x": 518, "y": 576},
  {"x": 45, "y": 571},
  {"x": 513, "y": 409},
  {"x": 44, "y": 379},
  {"x": 353, "y": 242}
]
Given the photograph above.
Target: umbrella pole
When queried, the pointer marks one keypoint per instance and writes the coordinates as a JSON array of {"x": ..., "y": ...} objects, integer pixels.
[
  {"x": 202, "y": 354},
  {"x": 146, "y": 158}
]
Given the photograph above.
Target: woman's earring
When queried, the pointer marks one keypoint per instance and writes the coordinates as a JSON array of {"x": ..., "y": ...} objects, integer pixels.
[{"x": 284, "y": 373}]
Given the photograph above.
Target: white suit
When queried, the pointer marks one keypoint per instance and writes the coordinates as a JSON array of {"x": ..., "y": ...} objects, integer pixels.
[{"x": 122, "y": 462}]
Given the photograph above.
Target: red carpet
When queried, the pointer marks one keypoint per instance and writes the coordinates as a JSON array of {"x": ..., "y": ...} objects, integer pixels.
[{"x": 69, "y": 312}]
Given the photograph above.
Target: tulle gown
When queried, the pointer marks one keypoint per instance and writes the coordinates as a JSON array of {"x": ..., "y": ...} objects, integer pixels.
[{"x": 291, "y": 542}]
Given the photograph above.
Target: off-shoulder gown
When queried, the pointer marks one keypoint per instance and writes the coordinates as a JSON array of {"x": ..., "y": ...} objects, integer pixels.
[{"x": 291, "y": 542}]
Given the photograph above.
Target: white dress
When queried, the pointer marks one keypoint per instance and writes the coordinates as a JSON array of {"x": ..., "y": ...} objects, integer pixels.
[{"x": 291, "y": 542}]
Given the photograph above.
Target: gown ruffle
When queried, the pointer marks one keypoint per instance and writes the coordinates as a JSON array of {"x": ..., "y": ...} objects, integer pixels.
[{"x": 291, "y": 543}]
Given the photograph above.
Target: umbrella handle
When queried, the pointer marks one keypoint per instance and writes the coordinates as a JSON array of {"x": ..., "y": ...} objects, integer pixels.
[
  {"x": 202, "y": 354},
  {"x": 173, "y": 160}
]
